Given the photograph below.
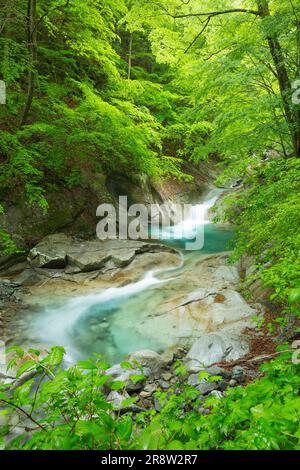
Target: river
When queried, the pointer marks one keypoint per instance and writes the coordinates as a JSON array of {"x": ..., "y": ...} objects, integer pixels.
[{"x": 110, "y": 322}]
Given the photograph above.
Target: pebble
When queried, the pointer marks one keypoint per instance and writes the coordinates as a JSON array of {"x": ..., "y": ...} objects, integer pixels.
[
  {"x": 167, "y": 376},
  {"x": 223, "y": 385},
  {"x": 203, "y": 411},
  {"x": 150, "y": 388},
  {"x": 216, "y": 394},
  {"x": 238, "y": 374},
  {"x": 206, "y": 387},
  {"x": 164, "y": 385},
  {"x": 145, "y": 394}
]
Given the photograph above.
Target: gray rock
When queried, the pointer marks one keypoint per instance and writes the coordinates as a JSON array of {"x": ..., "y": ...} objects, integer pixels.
[
  {"x": 232, "y": 383},
  {"x": 157, "y": 405},
  {"x": 60, "y": 251},
  {"x": 206, "y": 387},
  {"x": 123, "y": 258},
  {"x": 29, "y": 277},
  {"x": 216, "y": 394},
  {"x": 145, "y": 394},
  {"x": 87, "y": 256},
  {"x": 166, "y": 376},
  {"x": 203, "y": 385},
  {"x": 8, "y": 261},
  {"x": 9, "y": 291},
  {"x": 150, "y": 388},
  {"x": 164, "y": 385},
  {"x": 119, "y": 374},
  {"x": 112, "y": 254},
  {"x": 150, "y": 359},
  {"x": 51, "y": 252},
  {"x": 194, "y": 366},
  {"x": 207, "y": 350},
  {"x": 168, "y": 356},
  {"x": 222, "y": 385},
  {"x": 228, "y": 274},
  {"x": 217, "y": 371},
  {"x": 238, "y": 374},
  {"x": 117, "y": 399},
  {"x": 216, "y": 347},
  {"x": 204, "y": 411},
  {"x": 194, "y": 380}
]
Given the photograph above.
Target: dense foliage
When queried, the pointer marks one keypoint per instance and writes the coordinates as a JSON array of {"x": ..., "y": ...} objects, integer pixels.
[
  {"x": 75, "y": 106},
  {"x": 267, "y": 214},
  {"x": 67, "y": 409},
  {"x": 84, "y": 112}
]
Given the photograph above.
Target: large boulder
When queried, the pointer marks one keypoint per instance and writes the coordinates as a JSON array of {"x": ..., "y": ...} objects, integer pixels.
[
  {"x": 51, "y": 252},
  {"x": 94, "y": 255},
  {"x": 60, "y": 251},
  {"x": 88, "y": 256},
  {"x": 216, "y": 347},
  {"x": 182, "y": 320}
]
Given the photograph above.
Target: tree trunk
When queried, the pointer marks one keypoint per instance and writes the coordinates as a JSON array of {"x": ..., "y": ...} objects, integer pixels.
[
  {"x": 286, "y": 91},
  {"x": 130, "y": 56},
  {"x": 32, "y": 57}
]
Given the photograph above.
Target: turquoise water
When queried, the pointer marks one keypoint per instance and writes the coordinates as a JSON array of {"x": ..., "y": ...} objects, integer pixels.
[
  {"x": 107, "y": 322},
  {"x": 99, "y": 328},
  {"x": 216, "y": 239}
]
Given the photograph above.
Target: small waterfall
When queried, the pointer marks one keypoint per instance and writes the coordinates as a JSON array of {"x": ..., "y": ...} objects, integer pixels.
[{"x": 193, "y": 221}]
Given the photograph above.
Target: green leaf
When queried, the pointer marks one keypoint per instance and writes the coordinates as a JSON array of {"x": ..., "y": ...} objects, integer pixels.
[
  {"x": 126, "y": 365},
  {"x": 107, "y": 420},
  {"x": 117, "y": 385},
  {"x": 87, "y": 365},
  {"x": 129, "y": 401},
  {"x": 16, "y": 349},
  {"x": 103, "y": 365},
  {"x": 28, "y": 366},
  {"x": 88, "y": 428},
  {"x": 55, "y": 357},
  {"x": 124, "y": 429},
  {"x": 294, "y": 296},
  {"x": 135, "y": 378}
]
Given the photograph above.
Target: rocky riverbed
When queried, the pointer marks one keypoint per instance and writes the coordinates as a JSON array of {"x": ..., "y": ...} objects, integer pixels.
[{"x": 194, "y": 312}]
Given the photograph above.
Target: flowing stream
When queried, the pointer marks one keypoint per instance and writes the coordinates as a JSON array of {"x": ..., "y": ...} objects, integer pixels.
[{"x": 106, "y": 322}]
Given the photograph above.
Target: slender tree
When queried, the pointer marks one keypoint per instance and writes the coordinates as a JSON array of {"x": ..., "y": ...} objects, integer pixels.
[{"x": 31, "y": 21}]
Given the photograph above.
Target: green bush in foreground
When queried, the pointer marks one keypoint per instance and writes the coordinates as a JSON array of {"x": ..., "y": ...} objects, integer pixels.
[{"x": 67, "y": 409}]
